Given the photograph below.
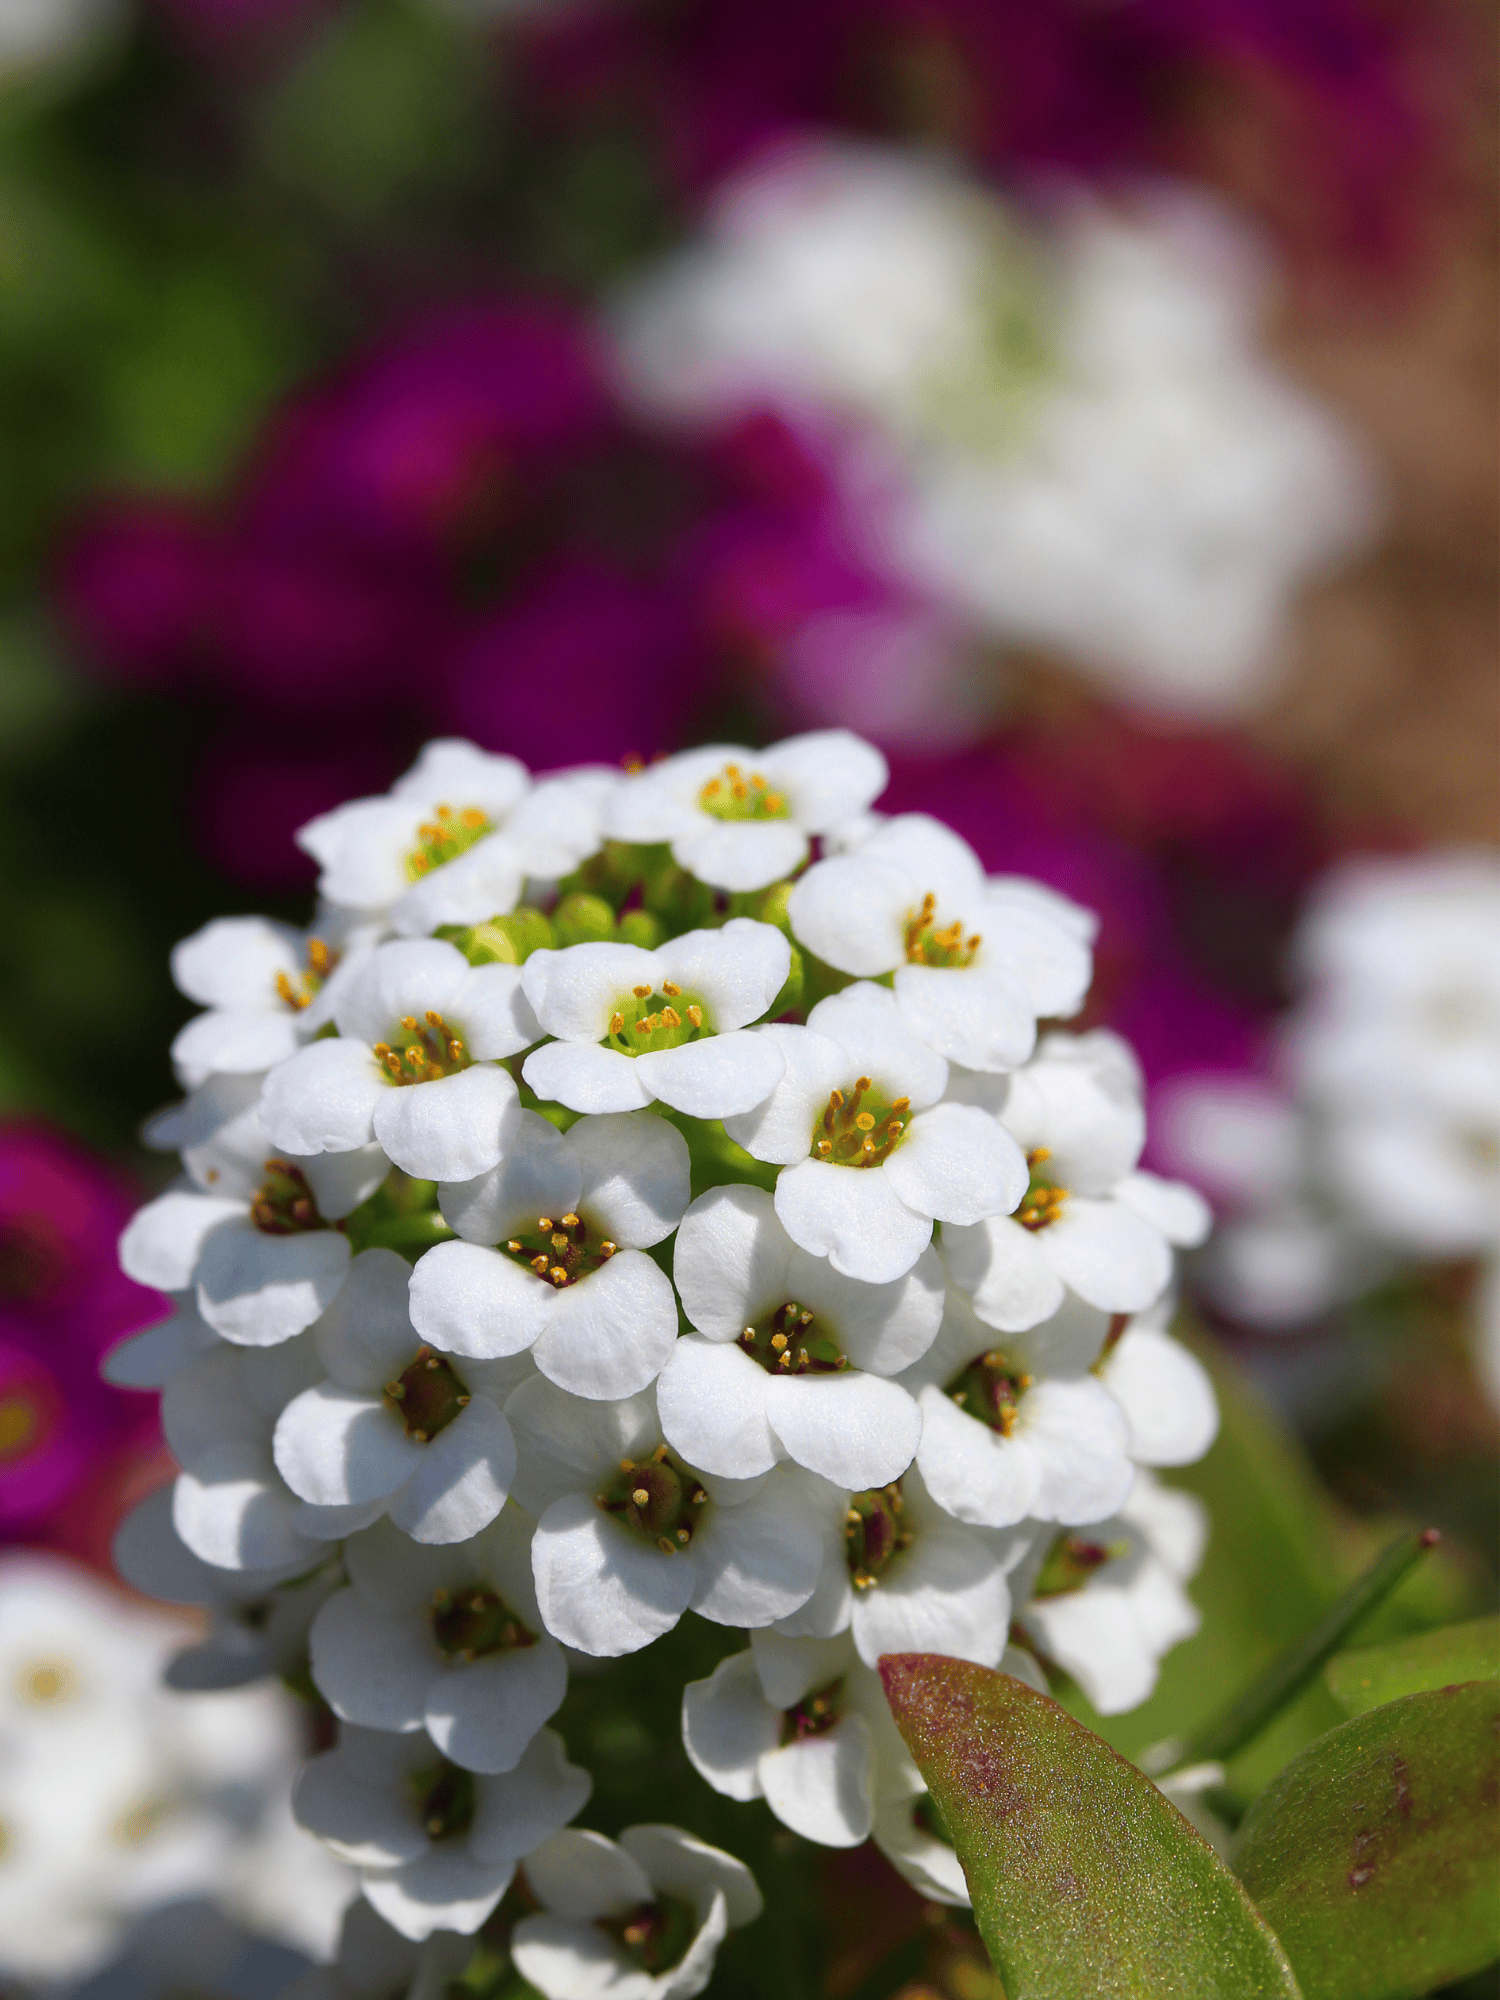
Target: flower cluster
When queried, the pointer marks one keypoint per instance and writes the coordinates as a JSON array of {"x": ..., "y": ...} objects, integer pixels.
[{"x": 643, "y": 1193}]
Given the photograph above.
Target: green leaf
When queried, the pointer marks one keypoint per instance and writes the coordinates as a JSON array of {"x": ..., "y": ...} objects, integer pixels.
[
  {"x": 1373, "y": 1854},
  {"x": 1362, "y": 1680},
  {"x": 1086, "y": 1881}
]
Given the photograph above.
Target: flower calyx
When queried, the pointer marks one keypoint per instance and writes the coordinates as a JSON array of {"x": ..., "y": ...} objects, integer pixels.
[
  {"x": 1043, "y": 1200},
  {"x": 444, "y": 837},
  {"x": 298, "y": 990},
  {"x": 862, "y": 1129},
  {"x": 927, "y": 944},
  {"x": 422, "y": 1051},
  {"x": 1071, "y": 1561},
  {"x": 472, "y": 1622},
  {"x": 989, "y": 1388},
  {"x": 657, "y": 1498},
  {"x": 875, "y": 1532},
  {"x": 645, "y": 1019},
  {"x": 427, "y": 1395},
  {"x": 561, "y": 1249},
  {"x": 654, "y": 1936},
  {"x": 284, "y": 1204},
  {"x": 445, "y": 1799},
  {"x": 791, "y": 1341},
  {"x": 732, "y": 795},
  {"x": 815, "y": 1714}
]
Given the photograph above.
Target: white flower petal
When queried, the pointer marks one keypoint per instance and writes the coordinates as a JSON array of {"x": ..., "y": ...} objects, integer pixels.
[
  {"x": 364, "y": 1824},
  {"x": 634, "y": 1176},
  {"x": 973, "y": 1472},
  {"x": 161, "y": 1242},
  {"x": 853, "y": 1217},
  {"x": 722, "y": 1077},
  {"x": 469, "y": 1300},
  {"x": 757, "y": 1561},
  {"x": 149, "y": 1360},
  {"x": 884, "y": 1328},
  {"x": 1108, "y": 1254},
  {"x": 740, "y": 855},
  {"x": 538, "y": 1176},
  {"x": 1166, "y": 1395},
  {"x": 460, "y": 1483},
  {"x": 366, "y": 1336},
  {"x": 851, "y": 913},
  {"x": 324, "y": 1099},
  {"x": 854, "y": 1430},
  {"x": 1002, "y": 1268},
  {"x": 409, "y": 977},
  {"x": 600, "y": 1589},
  {"x": 947, "y": 1594},
  {"x": 450, "y": 1129},
  {"x": 257, "y": 1290},
  {"x": 822, "y": 1787},
  {"x": 574, "y": 992},
  {"x": 233, "y": 962},
  {"x": 730, "y": 1260},
  {"x": 580, "y": 1960},
  {"x": 487, "y": 878},
  {"x": 231, "y": 1512},
  {"x": 973, "y": 1015},
  {"x": 580, "y": 1875},
  {"x": 341, "y": 1181},
  {"x": 337, "y": 1448},
  {"x": 958, "y": 1164},
  {"x": 369, "y": 1668},
  {"x": 483, "y": 1714},
  {"x": 610, "y": 1334},
  {"x": 567, "y": 1442},
  {"x": 867, "y": 1023},
  {"x": 443, "y": 1891},
  {"x": 728, "y": 1725},
  {"x": 1037, "y": 949},
  {"x": 828, "y": 775},
  {"x": 737, "y": 970},
  {"x": 1177, "y": 1210},
  {"x": 515, "y": 1811},
  {"x": 585, "y": 1077},
  {"x": 1079, "y": 1436},
  {"x": 494, "y": 1014},
  {"x": 712, "y": 1400},
  {"x": 239, "y": 1040},
  {"x": 781, "y": 1129}
]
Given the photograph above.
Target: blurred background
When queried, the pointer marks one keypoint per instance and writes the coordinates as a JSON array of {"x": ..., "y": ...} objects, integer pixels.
[{"x": 1093, "y": 404}]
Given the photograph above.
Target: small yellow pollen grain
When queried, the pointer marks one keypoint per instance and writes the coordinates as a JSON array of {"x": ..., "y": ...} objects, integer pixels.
[
  {"x": 641, "y": 1496},
  {"x": 670, "y": 988},
  {"x": 641, "y": 992}
]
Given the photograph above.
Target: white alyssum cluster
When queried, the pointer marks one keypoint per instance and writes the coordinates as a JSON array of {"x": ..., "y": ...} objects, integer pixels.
[
  {"x": 1057, "y": 424},
  {"x": 116, "y": 1797},
  {"x": 1374, "y": 1147},
  {"x": 698, "y": 1225}
]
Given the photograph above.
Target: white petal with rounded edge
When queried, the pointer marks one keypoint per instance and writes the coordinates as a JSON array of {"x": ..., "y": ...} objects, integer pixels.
[
  {"x": 574, "y": 991},
  {"x": 958, "y": 1164},
  {"x": 757, "y": 1561},
  {"x": 161, "y": 1243},
  {"x": 337, "y": 1448},
  {"x": 538, "y": 1176},
  {"x": 853, "y": 1217},
  {"x": 580, "y": 1960},
  {"x": 324, "y": 1099},
  {"x": 1037, "y": 948},
  {"x": 408, "y": 977},
  {"x": 1108, "y": 1254},
  {"x": 680, "y": 1862},
  {"x": 581, "y": 1875},
  {"x": 469, "y": 1300},
  {"x": 827, "y": 775},
  {"x": 586, "y": 1077},
  {"x": 1078, "y": 1434},
  {"x": 973, "y": 1015},
  {"x": 369, "y": 1668},
  {"x": 516, "y": 1810},
  {"x": 450, "y": 1129},
  {"x": 854, "y": 1430},
  {"x": 868, "y": 1024},
  {"x": 257, "y": 1290},
  {"x": 973, "y": 1472},
  {"x": 1178, "y": 1211},
  {"x": 482, "y": 882},
  {"x": 730, "y": 1260},
  {"x": 568, "y": 1443},
  {"x": 737, "y": 970},
  {"x": 884, "y": 1328},
  {"x": 231, "y": 1512},
  {"x": 945, "y": 1595},
  {"x": 634, "y": 1176},
  {"x": 484, "y": 1713},
  {"x": 241, "y": 1041},
  {"x": 366, "y": 1824},
  {"x": 610, "y": 1334},
  {"x": 728, "y": 1725},
  {"x": 822, "y": 1787},
  {"x": 600, "y": 1589},
  {"x": 341, "y": 1181},
  {"x": 851, "y": 913},
  {"x": 712, "y": 1401},
  {"x": 233, "y": 962},
  {"x": 740, "y": 854},
  {"x": 1166, "y": 1395},
  {"x": 462, "y": 1478},
  {"x": 723, "y": 1077},
  {"x": 366, "y": 1336},
  {"x": 1002, "y": 1268},
  {"x": 442, "y": 1891},
  {"x": 781, "y": 1129},
  {"x": 494, "y": 1014}
]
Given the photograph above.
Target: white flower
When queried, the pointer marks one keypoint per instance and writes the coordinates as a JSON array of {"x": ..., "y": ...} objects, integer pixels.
[
  {"x": 454, "y": 840},
  {"x": 435, "y": 1845},
  {"x": 573, "y": 1215},
  {"x": 447, "y": 1639},
  {"x": 267, "y": 987},
  {"x": 1163, "y": 1390},
  {"x": 904, "y": 1576},
  {"x": 374, "y": 1962},
  {"x": 789, "y": 1358},
  {"x": 976, "y": 962},
  {"x": 396, "y": 1426},
  {"x": 795, "y": 1722},
  {"x": 1107, "y": 1605},
  {"x": 740, "y": 819},
  {"x": 1089, "y": 1222},
  {"x": 1020, "y": 1428},
  {"x": 253, "y": 1239},
  {"x": 633, "y": 1025},
  {"x": 640, "y": 1920},
  {"x": 628, "y": 1536},
  {"x": 415, "y": 1066},
  {"x": 909, "y": 1829},
  {"x": 149, "y": 1359},
  {"x": 872, "y": 1156},
  {"x": 230, "y": 1505}
]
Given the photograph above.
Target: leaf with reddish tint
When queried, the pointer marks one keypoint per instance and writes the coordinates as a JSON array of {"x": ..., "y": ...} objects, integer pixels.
[
  {"x": 1373, "y": 1854},
  {"x": 1086, "y": 1881},
  {"x": 1372, "y": 1675}
]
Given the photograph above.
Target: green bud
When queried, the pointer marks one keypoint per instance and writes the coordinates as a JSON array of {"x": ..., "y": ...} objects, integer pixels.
[
  {"x": 681, "y": 901},
  {"x": 583, "y": 919},
  {"x": 772, "y": 908},
  {"x": 642, "y": 928},
  {"x": 508, "y": 940}
]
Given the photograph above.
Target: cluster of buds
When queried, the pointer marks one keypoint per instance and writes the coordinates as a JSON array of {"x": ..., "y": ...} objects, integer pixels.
[{"x": 642, "y": 1219}]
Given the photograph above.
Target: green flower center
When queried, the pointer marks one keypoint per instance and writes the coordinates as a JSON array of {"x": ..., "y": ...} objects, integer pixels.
[
  {"x": 790, "y": 1341},
  {"x": 647, "y": 1019},
  {"x": 1043, "y": 1200},
  {"x": 815, "y": 1714},
  {"x": 445, "y": 1799},
  {"x": 427, "y": 1395},
  {"x": 562, "y": 1250},
  {"x": 926, "y": 944},
  {"x": 1071, "y": 1561},
  {"x": 285, "y": 1205},
  {"x": 734, "y": 796},
  {"x": 296, "y": 990},
  {"x": 657, "y": 1498},
  {"x": 422, "y": 1051},
  {"x": 654, "y": 1936},
  {"x": 444, "y": 837},
  {"x": 989, "y": 1389},
  {"x": 862, "y": 1129},
  {"x": 874, "y": 1533},
  {"x": 473, "y": 1622}
]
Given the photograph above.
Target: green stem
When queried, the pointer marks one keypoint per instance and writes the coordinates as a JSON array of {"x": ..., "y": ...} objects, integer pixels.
[{"x": 1284, "y": 1679}]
